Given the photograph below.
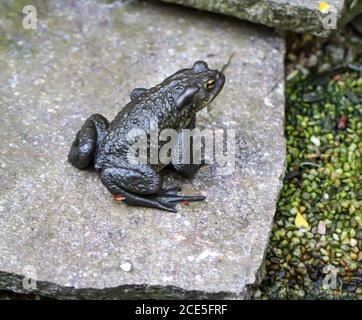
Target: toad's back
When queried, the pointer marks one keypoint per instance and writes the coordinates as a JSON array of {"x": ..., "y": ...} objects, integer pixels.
[{"x": 148, "y": 109}]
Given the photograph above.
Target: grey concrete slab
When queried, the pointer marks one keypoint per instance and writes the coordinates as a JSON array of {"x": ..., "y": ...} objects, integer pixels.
[
  {"x": 62, "y": 224},
  {"x": 315, "y": 16}
]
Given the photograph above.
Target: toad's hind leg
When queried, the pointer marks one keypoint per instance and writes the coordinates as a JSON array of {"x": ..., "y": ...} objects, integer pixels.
[
  {"x": 142, "y": 186},
  {"x": 84, "y": 147}
]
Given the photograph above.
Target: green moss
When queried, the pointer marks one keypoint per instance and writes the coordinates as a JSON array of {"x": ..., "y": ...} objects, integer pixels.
[{"x": 324, "y": 149}]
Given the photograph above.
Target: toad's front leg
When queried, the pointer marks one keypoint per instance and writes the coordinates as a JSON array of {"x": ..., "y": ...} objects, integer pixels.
[
  {"x": 141, "y": 185},
  {"x": 184, "y": 147}
]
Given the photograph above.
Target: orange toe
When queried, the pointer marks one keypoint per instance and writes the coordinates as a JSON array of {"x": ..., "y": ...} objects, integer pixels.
[{"x": 119, "y": 198}]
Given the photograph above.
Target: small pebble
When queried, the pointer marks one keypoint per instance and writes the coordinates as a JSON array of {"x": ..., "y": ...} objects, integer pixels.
[
  {"x": 321, "y": 227},
  {"x": 126, "y": 266},
  {"x": 315, "y": 141},
  {"x": 353, "y": 242}
]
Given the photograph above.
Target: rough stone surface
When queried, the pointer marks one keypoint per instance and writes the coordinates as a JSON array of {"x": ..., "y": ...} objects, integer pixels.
[
  {"x": 84, "y": 58},
  {"x": 294, "y": 15}
]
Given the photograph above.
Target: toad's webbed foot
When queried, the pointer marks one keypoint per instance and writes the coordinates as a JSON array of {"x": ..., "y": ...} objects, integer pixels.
[
  {"x": 165, "y": 201},
  {"x": 170, "y": 199},
  {"x": 141, "y": 186}
]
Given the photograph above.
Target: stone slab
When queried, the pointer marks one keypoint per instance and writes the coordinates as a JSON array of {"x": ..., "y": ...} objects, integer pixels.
[
  {"x": 62, "y": 224},
  {"x": 314, "y": 16}
]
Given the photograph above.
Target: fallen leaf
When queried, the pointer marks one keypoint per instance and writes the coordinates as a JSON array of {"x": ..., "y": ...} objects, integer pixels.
[
  {"x": 324, "y": 6},
  {"x": 300, "y": 222},
  {"x": 342, "y": 122}
]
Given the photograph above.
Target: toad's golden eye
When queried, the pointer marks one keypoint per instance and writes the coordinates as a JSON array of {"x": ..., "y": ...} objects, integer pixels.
[{"x": 210, "y": 84}]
